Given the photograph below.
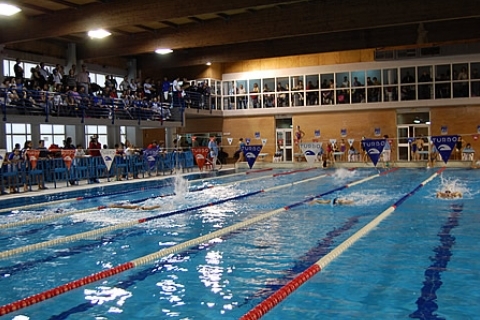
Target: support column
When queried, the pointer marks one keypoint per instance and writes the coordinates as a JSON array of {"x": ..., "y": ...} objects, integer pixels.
[
  {"x": 71, "y": 57},
  {"x": 170, "y": 135}
]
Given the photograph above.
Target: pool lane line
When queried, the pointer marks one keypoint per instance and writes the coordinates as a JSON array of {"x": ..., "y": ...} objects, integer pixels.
[
  {"x": 36, "y": 298},
  {"x": 266, "y": 305},
  {"x": 51, "y": 217},
  {"x": 426, "y": 303},
  {"x": 96, "y": 232},
  {"x": 258, "y": 170},
  {"x": 35, "y": 205},
  {"x": 71, "y": 213},
  {"x": 293, "y": 171}
]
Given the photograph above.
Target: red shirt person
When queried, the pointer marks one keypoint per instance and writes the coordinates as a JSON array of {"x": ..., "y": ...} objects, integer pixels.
[{"x": 94, "y": 146}]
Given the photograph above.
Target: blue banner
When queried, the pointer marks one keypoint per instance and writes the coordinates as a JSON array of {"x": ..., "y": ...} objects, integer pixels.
[
  {"x": 317, "y": 133},
  {"x": 444, "y": 145},
  {"x": 374, "y": 148},
  {"x": 251, "y": 154}
]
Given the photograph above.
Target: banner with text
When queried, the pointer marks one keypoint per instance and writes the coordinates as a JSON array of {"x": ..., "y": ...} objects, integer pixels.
[
  {"x": 311, "y": 150},
  {"x": 3, "y": 153},
  {"x": 444, "y": 145},
  {"x": 251, "y": 154},
  {"x": 374, "y": 148},
  {"x": 108, "y": 155},
  {"x": 32, "y": 156},
  {"x": 200, "y": 154},
  {"x": 67, "y": 156}
]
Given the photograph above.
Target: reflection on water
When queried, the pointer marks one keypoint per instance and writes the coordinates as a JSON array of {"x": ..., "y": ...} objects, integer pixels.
[{"x": 105, "y": 294}]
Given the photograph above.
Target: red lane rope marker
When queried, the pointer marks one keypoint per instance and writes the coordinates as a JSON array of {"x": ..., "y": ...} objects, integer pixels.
[
  {"x": 278, "y": 296},
  {"x": 36, "y": 298},
  {"x": 20, "y": 304},
  {"x": 259, "y": 170}
]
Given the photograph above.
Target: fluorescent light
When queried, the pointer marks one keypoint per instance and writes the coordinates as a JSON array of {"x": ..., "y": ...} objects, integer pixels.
[
  {"x": 163, "y": 51},
  {"x": 8, "y": 9},
  {"x": 208, "y": 63},
  {"x": 98, "y": 34},
  {"x": 416, "y": 121},
  {"x": 428, "y": 122}
]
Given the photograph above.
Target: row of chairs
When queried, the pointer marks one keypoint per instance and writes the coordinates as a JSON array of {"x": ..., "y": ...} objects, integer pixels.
[{"x": 22, "y": 176}]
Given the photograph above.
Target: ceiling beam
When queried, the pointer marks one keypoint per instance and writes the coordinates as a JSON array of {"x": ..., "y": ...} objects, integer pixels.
[
  {"x": 36, "y": 8},
  {"x": 66, "y": 3},
  {"x": 246, "y": 28},
  {"x": 121, "y": 13},
  {"x": 319, "y": 43}
]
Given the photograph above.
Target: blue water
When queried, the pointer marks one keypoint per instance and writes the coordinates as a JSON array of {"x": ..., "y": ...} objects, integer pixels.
[{"x": 421, "y": 262}]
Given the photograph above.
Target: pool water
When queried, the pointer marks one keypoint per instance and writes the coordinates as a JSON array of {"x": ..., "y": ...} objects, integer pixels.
[{"x": 421, "y": 262}]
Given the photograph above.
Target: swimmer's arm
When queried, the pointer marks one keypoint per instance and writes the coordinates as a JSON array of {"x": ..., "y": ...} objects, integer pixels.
[
  {"x": 149, "y": 207},
  {"x": 320, "y": 201}
]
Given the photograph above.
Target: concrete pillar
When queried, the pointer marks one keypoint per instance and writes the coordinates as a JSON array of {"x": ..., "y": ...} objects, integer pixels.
[
  {"x": 170, "y": 135},
  {"x": 132, "y": 69},
  {"x": 71, "y": 57}
]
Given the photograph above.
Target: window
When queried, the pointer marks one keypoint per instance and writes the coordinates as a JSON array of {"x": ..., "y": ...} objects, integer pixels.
[
  {"x": 17, "y": 133},
  {"x": 475, "y": 78},
  {"x": 425, "y": 87},
  {"x": 123, "y": 134},
  {"x": 52, "y": 134},
  {"x": 100, "y": 131}
]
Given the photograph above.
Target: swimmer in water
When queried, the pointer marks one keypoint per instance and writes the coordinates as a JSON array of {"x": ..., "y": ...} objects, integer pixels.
[
  {"x": 333, "y": 202},
  {"x": 447, "y": 194},
  {"x": 132, "y": 206}
]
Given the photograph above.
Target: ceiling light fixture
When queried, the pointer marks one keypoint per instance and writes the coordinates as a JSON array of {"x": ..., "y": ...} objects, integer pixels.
[
  {"x": 98, "y": 34},
  {"x": 8, "y": 9},
  {"x": 208, "y": 63},
  {"x": 416, "y": 121},
  {"x": 163, "y": 51}
]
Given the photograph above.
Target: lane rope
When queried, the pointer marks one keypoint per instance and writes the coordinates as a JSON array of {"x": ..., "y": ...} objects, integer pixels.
[
  {"x": 97, "y": 232},
  {"x": 73, "y": 212},
  {"x": 266, "y": 305},
  {"x": 36, "y": 298}
]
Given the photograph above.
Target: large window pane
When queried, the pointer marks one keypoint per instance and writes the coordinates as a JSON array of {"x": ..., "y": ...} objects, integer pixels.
[
  {"x": 374, "y": 81},
  {"x": 254, "y": 93},
  {"x": 460, "y": 80},
  {"x": 475, "y": 79},
  {"x": 312, "y": 90},
  {"x": 425, "y": 87},
  {"x": 298, "y": 85}
]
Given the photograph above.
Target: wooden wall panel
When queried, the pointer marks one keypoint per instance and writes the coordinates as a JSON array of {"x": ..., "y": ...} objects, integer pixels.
[
  {"x": 246, "y": 128},
  {"x": 153, "y": 134},
  {"x": 357, "y": 124},
  {"x": 462, "y": 120},
  {"x": 329, "y": 58},
  {"x": 202, "y": 125}
]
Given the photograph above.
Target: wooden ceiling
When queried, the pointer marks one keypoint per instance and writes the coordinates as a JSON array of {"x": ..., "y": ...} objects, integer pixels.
[{"x": 223, "y": 31}]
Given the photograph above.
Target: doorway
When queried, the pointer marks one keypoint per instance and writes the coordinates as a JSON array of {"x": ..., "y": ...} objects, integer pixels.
[
  {"x": 284, "y": 140},
  {"x": 409, "y": 127}
]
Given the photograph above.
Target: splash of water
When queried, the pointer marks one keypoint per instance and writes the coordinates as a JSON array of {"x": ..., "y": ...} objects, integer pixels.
[
  {"x": 342, "y": 173},
  {"x": 181, "y": 186},
  {"x": 454, "y": 185}
]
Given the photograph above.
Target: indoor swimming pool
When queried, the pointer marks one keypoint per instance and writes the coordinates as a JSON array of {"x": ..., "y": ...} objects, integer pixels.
[{"x": 219, "y": 246}]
